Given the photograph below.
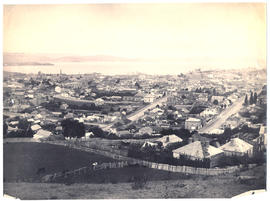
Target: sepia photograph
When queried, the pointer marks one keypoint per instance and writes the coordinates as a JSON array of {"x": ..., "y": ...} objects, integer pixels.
[{"x": 138, "y": 100}]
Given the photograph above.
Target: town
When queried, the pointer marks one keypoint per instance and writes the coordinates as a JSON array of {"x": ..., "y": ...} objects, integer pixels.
[
  {"x": 198, "y": 106},
  {"x": 200, "y": 119}
]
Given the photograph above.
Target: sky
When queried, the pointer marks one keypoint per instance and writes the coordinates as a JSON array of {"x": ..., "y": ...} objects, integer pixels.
[{"x": 230, "y": 34}]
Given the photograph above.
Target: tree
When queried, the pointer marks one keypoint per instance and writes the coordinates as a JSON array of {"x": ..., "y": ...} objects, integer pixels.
[
  {"x": 215, "y": 102},
  {"x": 251, "y": 99},
  {"x": 5, "y": 129},
  {"x": 255, "y": 98},
  {"x": 138, "y": 85},
  {"x": 25, "y": 128},
  {"x": 72, "y": 128},
  {"x": 246, "y": 100},
  {"x": 98, "y": 132},
  {"x": 226, "y": 136},
  {"x": 214, "y": 91}
]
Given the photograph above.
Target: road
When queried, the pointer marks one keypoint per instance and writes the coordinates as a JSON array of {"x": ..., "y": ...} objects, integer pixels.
[
  {"x": 138, "y": 114},
  {"x": 223, "y": 116}
]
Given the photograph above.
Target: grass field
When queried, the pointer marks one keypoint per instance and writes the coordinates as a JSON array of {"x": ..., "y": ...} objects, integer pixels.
[
  {"x": 194, "y": 187},
  {"x": 22, "y": 160},
  {"x": 123, "y": 175}
]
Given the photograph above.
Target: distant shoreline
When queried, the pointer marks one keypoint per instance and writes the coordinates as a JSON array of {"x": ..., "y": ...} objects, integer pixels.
[{"x": 28, "y": 64}]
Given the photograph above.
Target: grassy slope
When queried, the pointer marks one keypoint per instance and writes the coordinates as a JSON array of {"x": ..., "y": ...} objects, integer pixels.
[
  {"x": 193, "y": 187},
  {"x": 22, "y": 160},
  {"x": 106, "y": 183}
]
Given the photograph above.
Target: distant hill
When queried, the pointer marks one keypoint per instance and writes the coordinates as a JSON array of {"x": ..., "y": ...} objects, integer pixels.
[{"x": 50, "y": 59}]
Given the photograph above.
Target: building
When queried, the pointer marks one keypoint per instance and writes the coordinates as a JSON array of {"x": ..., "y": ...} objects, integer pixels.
[
  {"x": 99, "y": 102},
  {"x": 193, "y": 124},
  {"x": 35, "y": 127},
  {"x": 263, "y": 134},
  {"x": 168, "y": 139},
  {"x": 218, "y": 98},
  {"x": 146, "y": 130},
  {"x": 261, "y": 140},
  {"x": 209, "y": 112},
  {"x": 237, "y": 147},
  {"x": 149, "y": 98},
  {"x": 199, "y": 151},
  {"x": 42, "y": 134}
]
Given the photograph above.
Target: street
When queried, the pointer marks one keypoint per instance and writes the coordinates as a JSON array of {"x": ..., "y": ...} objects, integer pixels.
[
  {"x": 138, "y": 114},
  {"x": 223, "y": 116}
]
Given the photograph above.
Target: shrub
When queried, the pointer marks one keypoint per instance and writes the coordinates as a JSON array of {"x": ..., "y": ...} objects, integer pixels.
[{"x": 140, "y": 182}]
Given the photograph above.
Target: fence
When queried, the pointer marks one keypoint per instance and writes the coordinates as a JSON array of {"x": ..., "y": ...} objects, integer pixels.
[
  {"x": 165, "y": 167},
  {"x": 126, "y": 161}
]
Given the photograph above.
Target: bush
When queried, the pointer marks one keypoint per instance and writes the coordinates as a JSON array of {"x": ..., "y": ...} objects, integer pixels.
[
  {"x": 257, "y": 158},
  {"x": 139, "y": 182},
  {"x": 73, "y": 128}
]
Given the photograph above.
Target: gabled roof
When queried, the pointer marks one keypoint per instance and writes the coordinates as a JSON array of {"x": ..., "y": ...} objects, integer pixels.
[
  {"x": 199, "y": 150},
  {"x": 35, "y": 127},
  {"x": 191, "y": 119},
  {"x": 194, "y": 149},
  {"x": 236, "y": 145},
  {"x": 167, "y": 139},
  {"x": 42, "y": 134}
]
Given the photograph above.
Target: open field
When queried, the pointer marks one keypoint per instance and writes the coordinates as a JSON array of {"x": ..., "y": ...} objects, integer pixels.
[
  {"x": 111, "y": 183},
  {"x": 123, "y": 175},
  {"x": 22, "y": 160},
  {"x": 193, "y": 187}
]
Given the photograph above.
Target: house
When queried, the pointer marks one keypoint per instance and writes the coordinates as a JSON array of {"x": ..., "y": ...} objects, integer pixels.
[
  {"x": 14, "y": 123},
  {"x": 87, "y": 136},
  {"x": 59, "y": 129},
  {"x": 150, "y": 144},
  {"x": 216, "y": 131},
  {"x": 116, "y": 98},
  {"x": 42, "y": 134},
  {"x": 69, "y": 116},
  {"x": 30, "y": 120},
  {"x": 168, "y": 139},
  {"x": 12, "y": 129},
  {"x": 237, "y": 147},
  {"x": 57, "y": 89},
  {"x": 193, "y": 124},
  {"x": 38, "y": 116},
  {"x": 35, "y": 127},
  {"x": 99, "y": 101},
  {"x": 64, "y": 106},
  {"x": 261, "y": 140},
  {"x": 199, "y": 151},
  {"x": 209, "y": 112},
  {"x": 149, "y": 98},
  {"x": 263, "y": 133},
  {"x": 146, "y": 130},
  {"x": 203, "y": 97},
  {"x": 56, "y": 114},
  {"x": 124, "y": 134}
]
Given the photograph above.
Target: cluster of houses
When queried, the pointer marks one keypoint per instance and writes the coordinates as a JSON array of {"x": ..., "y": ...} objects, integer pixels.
[
  {"x": 191, "y": 104},
  {"x": 199, "y": 149}
]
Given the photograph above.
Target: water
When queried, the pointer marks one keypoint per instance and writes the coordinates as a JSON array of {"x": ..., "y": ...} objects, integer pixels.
[
  {"x": 110, "y": 68},
  {"x": 116, "y": 68}
]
